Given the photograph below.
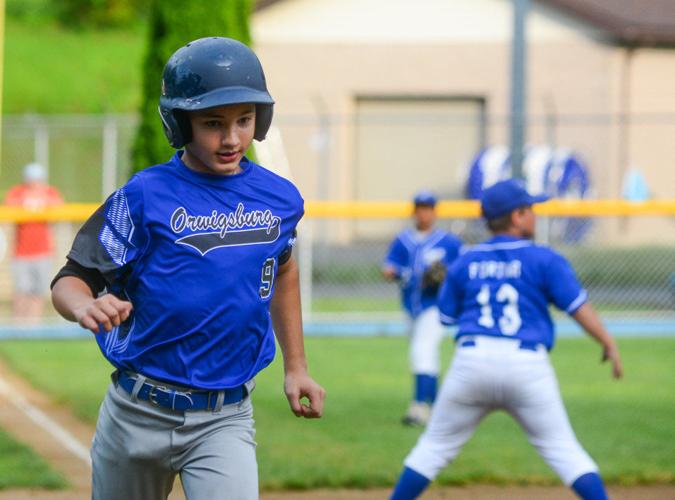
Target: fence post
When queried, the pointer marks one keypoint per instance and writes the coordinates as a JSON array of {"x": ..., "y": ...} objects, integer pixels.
[{"x": 109, "y": 160}]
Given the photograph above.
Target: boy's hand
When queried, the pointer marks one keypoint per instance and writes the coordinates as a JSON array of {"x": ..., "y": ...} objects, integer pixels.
[
  {"x": 298, "y": 385},
  {"x": 611, "y": 353},
  {"x": 104, "y": 312}
]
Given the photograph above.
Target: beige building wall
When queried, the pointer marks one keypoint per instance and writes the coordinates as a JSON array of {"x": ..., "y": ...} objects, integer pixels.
[{"x": 320, "y": 56}]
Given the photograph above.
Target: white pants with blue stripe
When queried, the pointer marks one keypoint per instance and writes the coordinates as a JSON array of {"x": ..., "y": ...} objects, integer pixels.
[{"x": 493, "y": 374}]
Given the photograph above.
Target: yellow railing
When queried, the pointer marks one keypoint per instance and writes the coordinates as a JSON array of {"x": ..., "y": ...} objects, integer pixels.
[{"x": 78, "y": 212}]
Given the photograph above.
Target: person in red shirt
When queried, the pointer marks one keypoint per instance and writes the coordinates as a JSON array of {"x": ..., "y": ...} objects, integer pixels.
[{"x": 33, "y": 242}]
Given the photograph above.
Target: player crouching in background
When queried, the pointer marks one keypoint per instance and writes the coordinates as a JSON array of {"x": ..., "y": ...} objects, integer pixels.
[
  {"x": 418, "y": 259},
  {"x": 498, "y": 293}
]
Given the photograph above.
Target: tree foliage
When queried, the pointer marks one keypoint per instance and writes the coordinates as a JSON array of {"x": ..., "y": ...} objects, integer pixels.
[
  {"x": 98, "y": 13},
  {"x": 79, "y": 14},
  {"x": 173, "y": 23}
]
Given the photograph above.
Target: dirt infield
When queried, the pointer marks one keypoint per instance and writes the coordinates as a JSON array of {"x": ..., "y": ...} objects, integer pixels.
[
  {"x": 476, "y": 492},
  {"x": 482, "y": 492},
  {"x": 21, "y": 406}
]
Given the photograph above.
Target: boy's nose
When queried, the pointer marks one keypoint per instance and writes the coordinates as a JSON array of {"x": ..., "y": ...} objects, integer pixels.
[{"x": 230, "y": 137}]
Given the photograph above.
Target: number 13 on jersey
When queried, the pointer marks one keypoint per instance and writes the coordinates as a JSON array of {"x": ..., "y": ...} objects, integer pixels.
[{"x": 509, "y": 321}]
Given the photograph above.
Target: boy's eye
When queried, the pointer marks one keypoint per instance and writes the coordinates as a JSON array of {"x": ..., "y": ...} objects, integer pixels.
[
  {"x": 245, "y": 120},
  {"x": 212, "y": 123}
]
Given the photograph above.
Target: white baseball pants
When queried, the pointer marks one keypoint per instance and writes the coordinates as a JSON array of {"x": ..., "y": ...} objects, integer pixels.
[
  {"x": 496, "y": 374},
  {"x": 426, "y": 334}
]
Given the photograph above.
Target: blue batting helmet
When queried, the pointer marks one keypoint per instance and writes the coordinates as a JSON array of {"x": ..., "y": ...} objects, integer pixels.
[
  {"x": 426, "y": 198},
  {"x": 212, "y": 72}
]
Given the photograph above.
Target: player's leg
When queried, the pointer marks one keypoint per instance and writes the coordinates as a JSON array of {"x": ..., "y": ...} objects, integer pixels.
[
  {"x": 538, "y": 407},
  {"x": 219, "y": 459},
  {"x": 22, "y": 287},
  {"x": 457, "y": 411},
  {"x": 131, "y": 450},
  {"x": 41, "y": 276},
  {"x": 427, "y": 334}
]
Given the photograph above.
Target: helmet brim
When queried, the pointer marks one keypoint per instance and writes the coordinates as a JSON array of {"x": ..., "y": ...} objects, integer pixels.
[{"x": 218, "y": 97}]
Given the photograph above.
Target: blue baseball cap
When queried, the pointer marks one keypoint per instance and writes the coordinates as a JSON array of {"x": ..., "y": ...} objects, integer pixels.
[
  {"x": 425, "y": 198},
  {"x": 505, "y": 196}
]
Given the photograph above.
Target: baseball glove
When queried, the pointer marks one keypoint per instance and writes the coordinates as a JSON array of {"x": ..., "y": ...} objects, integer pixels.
[{"x": 434, "y": 275}]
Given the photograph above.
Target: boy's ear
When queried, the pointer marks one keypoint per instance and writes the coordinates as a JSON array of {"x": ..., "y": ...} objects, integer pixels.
[{"x": 513, "y": 217}]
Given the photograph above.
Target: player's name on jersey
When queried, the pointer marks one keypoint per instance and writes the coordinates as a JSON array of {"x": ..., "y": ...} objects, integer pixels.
[
  {"x": 495, "y": 269},
  {"x": 224, "y": 222}
]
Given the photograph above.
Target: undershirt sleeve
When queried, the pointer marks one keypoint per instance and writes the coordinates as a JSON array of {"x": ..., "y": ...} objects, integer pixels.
[{"x": 92, "y": 277}]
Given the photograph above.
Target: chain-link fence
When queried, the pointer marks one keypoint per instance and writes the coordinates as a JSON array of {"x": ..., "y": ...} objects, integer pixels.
[
  {"x": 384, "y": 149},
  {"x": 343, "y": 291},
  {"x": 626, "y": 262},
  {"x": 634, "y": 281},
  {"x": 86, "y": 156}
]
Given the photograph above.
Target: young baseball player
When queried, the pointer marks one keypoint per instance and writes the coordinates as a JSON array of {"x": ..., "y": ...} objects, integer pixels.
[
  {"x": 498, "y": 293},
  {"x": 185, "y": 274},
  {"x": 33, "y": 243},
  {"x": 418, "y": 258}
]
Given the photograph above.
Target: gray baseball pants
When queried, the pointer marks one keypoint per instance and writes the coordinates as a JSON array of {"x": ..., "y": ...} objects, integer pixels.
[{"x": 139, "y": 448}]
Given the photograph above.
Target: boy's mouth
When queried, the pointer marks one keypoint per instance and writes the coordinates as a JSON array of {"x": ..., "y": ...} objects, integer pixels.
[{"x": 228, "y": 156}]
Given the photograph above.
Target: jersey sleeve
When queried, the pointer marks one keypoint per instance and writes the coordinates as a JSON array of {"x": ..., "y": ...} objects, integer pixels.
[
  {"x": 92, "y": 277},
  {"x": 396, "y": 256},
  {"x": 562, "y": 284},
  {"x": 113, "y": 237},
  {"x": 13, "y": 197},
  {"x": 450, "y": 297},
  {"x": 285, "y": 255},
  {"x": 287, "y": 251},
  {"x": 452, "y": 248},
  {"x": 55, "y": 197}
]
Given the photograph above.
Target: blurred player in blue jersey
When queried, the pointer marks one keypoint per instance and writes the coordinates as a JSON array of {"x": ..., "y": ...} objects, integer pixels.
[
  {"x": 418, "y": 258},
  {"x": 498, "y": 293},
  {"x": 185, "y": 275}
]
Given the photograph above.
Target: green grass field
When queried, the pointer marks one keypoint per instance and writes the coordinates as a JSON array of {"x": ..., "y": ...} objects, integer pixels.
[
  {"x": 20, "y": 467},
  {"x": 63, "y": 71},
  {"x": 627, "y": 426}
]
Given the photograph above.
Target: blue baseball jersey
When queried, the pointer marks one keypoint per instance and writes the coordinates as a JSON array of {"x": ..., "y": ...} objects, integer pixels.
[
  {"x": 196, "y": 254},
  {"x": 410, "y": 254},
  {"x": 503, "y": 288}
]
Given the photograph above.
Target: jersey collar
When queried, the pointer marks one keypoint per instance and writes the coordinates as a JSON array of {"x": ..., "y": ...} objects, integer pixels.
[
  {"x": 505, "y": 238},
  {"x": 214, "y": 179}
]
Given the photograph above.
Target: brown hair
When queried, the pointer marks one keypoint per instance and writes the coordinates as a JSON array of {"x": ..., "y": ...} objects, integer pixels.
[
  {"x": 503, "y": 222},
  {"x": 499, "y": 224}
]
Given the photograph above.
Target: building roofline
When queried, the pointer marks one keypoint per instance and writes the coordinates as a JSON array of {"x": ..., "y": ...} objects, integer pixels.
[{"x": 628, "y": 22}]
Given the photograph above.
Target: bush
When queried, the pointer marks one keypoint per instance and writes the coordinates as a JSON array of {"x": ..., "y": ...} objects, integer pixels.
[
  {"x": 30, "y": 10},
  {"x": 98, "y": 13}
]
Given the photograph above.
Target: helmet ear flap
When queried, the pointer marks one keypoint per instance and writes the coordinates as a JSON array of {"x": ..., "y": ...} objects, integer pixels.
[
  {"x": 183, "y": 122},
  {"x": 263, "y": 120},
  {"x": 176, "y": 126}
]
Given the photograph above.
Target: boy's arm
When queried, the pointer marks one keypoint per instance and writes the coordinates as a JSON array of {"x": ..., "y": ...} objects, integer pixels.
[
  {"x": 393, "y": 261},
  {"x": 287, "y": 321},
  {"x": 590, "y": 321},
  {"x": 73, "y": 299}
]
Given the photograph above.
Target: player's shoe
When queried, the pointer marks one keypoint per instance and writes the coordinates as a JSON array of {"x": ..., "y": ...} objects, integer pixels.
[{"x": 417, "y": 414}]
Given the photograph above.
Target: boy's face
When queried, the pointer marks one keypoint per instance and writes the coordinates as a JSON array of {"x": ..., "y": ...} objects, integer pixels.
[
  {"x": 425, "y": 217},
  {"x": 524, "y": 221},
  {"x": 220, "y": 138}
]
